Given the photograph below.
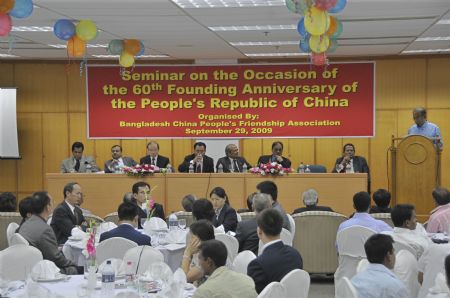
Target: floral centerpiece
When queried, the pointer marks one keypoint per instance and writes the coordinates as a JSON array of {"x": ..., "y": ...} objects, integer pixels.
[
  {"x": 270, "y": 168},
  {"x": 150, "y": 203},
  {"x": 143, "y": 170},
  {"x": 90, "y": 251}
]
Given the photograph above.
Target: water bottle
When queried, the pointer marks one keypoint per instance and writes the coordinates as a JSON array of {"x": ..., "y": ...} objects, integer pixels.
[
  {"x": 129, "y": 275},
  {"x": 220, "y": 168},
  {"x": 244, "y": 168},
  {"x": 108, "y": 280},
  {"x": 169, "y": 168},
  {"x": 173, "y": 222},
  {"x": 301, "y": 168},
  {"x": 191, "y": 168},
  {"x": 307, "y": 170}
]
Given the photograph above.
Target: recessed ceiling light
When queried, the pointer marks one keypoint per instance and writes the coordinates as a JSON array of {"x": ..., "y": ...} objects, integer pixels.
[
  {"x": 444, "y": 22},
  {"x": 433, "y": 38},
  {"x": 275, "y": 54},
  {"x": 264, "y": 43},
  {"x": 153, "y": 56},
  {"x": 426, "y": 51},
  {"x": 227, "y": 3},
  {"x": 253, "y": 28},
  {"x": 63, "y": 46},
  {"x": 31, "y": 29},
  {"x": 58, "y": 46},
  {"x": 8, "y": 56},
  {"x": 106, "y": 56}
]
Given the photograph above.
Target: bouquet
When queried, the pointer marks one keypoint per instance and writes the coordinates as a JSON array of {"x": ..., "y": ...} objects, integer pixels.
[
  {"x": 270, "y": 168},
  {"x": 90, "y": 251},
  {"x": 142, "y": 170},
  {"x": 150, "y": 204}
]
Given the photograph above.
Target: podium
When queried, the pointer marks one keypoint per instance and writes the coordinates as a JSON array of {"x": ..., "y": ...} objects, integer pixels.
[{"x": 415, "y": 172}]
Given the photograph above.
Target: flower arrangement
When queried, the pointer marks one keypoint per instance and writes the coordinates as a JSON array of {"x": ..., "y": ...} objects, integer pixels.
[
  {"x": 143, "y": 170},
  {"x": 270, "y": 168},
  {"x": 90, "y": 244},
  {"x": 150, "y": 203}
]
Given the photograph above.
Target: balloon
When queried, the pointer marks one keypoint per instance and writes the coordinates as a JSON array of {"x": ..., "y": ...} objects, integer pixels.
[
  {"x": 317, "y": 21},
  {"x": 76, "y": 47},
  {"x": 115, "y": 47},
  {"x": 340, "y": 4},
  {"x": 22, "y": 9},
  {"x": 64, "y": 29},
  {"x": 325, "y": 4},
  {"x": 142, "y": 49},
  {"x": 333, "y": 26},
  {"x": 301, "y": 27},
  {"x": 298, "y": 6},
  {"x": 86, "y": 30},
  {"x": 333, "y": 46},
  {"x": 319, "y": 44},
  {"x": 132, "y": 46},
  {"x": 318, "y": 59},
  {"x": 126, "y": 59},
  {"x": 6, "y": 5},
  {"x": 304, "y": 45},
  {"x": 339, "y": 29},
  {"x": 5, "y": 24}
]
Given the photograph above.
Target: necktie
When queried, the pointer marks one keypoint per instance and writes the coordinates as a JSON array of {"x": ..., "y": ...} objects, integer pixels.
[
  {"x": 76, "y": 216},
  {"x": 153, "y": 161},
  {"x": 198, "y": 168},
  {"x": 77, "y": 165},
  {"x": 235, "y": 165}
]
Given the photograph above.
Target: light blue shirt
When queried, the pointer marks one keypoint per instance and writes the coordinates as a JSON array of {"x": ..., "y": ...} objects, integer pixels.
[
  {"x": 366, "y": 220},
  {"x": 378, "y": 281},
  {"x": 429, "y": 130}
]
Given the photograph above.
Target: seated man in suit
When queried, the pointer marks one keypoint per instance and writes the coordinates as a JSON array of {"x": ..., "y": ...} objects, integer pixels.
[
  {"x": 350, "y": 163},
  {"x": 277, "y": 152},
  {"x": 200, "y": 161},
  {"x": 270, "y": 188},
  {"x": 128, "y": 220},
  {"x": 232, "y": 162},
  {"x": 276, "y": 259},
  {"x": 68, "y": 215},
  {"x": 225, "y": 215},
  {"x": 40, "y": 235},
  {"x": 118, "y": 161},
  {"x": 382, "y": 199},
  {"x": 187, "y": 202},
  {"x": 153, "y": 157},
  {"x": 78, "y": 163},
  {"x": 310, "y": 199},
  {"x": 246, "y": 230},
  {"x": 141, "y": 193}
]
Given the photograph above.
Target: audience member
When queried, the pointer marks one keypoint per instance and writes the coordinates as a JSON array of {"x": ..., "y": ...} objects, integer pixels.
[
  {"x": 351, "y": 163},
  {"x": 310, "y": 199},
  {"x": 232, "y": 162},
  {"x": 439, "y": 221},
  {"x": 203, "y": 209},
  {"x": 8, "y": 202},
  {"x": 249, "y": 202},
  {"x": 270, "y": 188},
  {"x": 84, "y": 211},
  {"x": 116, "y": 164},
  {"x": 141, "y": 193},
  {"x": 199, "y": 160},
  {"x": 188, "y": 201},
  {"x": 382, "y": 199},
  {"x": 78, "y": 163},
  {"x": 425, "y": 128},
  {"x": 40, "y": 235},
  {"x": 246, "y": 230},
  {"x": 221, "y": 282},
  {"x": 153, "y": 157},
  {"x": 225, "y": 215},
  {"x": 201, "y": 230},
  {"x": 276, "y": 156},
  {"x": 276, "y": 259},
  {"x": 26, "y": 210},
  {"x": 128, "y": 221},
  {"x": 67, "y": 214},
  {"x": 129, "y": 197},
  {"x": 378, "y": 281}
]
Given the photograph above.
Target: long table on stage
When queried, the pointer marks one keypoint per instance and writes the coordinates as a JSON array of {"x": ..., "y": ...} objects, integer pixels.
[{"x": 104, "y": 192}]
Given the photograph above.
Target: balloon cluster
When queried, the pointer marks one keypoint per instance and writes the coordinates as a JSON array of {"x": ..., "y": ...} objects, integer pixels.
[
  {"x": 19, "y": 9},
  {"x": 75, "y": 35},
  {"x": 127, "y": 49},
  {"x": 318, "y": 30}
]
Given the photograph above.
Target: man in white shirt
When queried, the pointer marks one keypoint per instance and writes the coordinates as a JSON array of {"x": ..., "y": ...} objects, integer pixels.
[{"x": 116, "y": 164}]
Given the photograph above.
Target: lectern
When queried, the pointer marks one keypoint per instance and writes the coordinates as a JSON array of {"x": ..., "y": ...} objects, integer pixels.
[{"x": 415, "y": 172}]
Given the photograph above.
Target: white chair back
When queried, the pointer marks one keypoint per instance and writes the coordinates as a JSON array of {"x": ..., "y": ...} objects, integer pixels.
[
  {"x": 285, "y": 236},
  {"x": 115, "y": 247},
  {"x": 399, "y": 246},
  {"x": 406, "y": 269},
  {"x": 10, "y": 230},
  {"x": 242, "y": 260},
  {"x": 272, "y": 290},
  {"x": 431, "y": 263},
  {"x": 296, "y": 283},
  {"x": 115, "y": 263},
  {"x": 362, "y": 265},
  {"x": 16, "y": 238},
  {"x": 291, "y": 223},
  {"x": 231, "y": 243},
  {"x": 142, "y": 257},
  {"x": 345, "y": 289},
  {"x": 239, "y": 218},
  {"x": 17, "y": 261}
]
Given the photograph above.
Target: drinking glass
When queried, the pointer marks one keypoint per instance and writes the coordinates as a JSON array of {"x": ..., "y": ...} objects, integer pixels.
[{"x": 182, "y": 223}]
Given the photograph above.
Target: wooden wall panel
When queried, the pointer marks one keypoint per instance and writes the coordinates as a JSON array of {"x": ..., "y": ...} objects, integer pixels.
[
  {"x": 134, "y": 148},
  {"x": 404, "y": 122},
  {"x": 251, "y": 149},
  {"x": 8, "y": 175},
  {"x": 327, "y": 150},
  {"x": 7, "y": 75},
  {"x": 77, "y": 132},
  {"x": 55, "y": 136},
  {"x": 441, "y": 118},
  {"x": 76, "y": 87},
  {"x": 361, "y": 146},
  {"x": 438, "y": 81},
  {"x": 165, "y": 147},
  {"x": 302, "y": 150},
  {"x": 181, "y": 148}
]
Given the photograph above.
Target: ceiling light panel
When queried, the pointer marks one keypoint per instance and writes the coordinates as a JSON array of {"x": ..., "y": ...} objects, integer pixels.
[
  {"x": 264, "y": 43},
  {"x": 428, "y": 51},
  {"x": 439, "y": 38},
  {"x": 32, "y": 29},
  {"x": 227, "y": 3},
  {"x": 254, "y": 28},
  {"x": 275, "y": 54}
]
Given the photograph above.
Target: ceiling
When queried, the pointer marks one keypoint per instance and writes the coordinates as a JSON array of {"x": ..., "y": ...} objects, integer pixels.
[{"x": 371, "y": 28}]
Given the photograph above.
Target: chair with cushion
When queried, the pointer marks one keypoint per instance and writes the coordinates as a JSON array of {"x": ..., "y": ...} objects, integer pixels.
[
  {"x": 187, "y": 216},
  {"x": 114, "y": 247},
  {"x": 386, "y": 217},
  {"x": 231, "y": 243},
  {"x": 93, "y": 218},
  {"x": 291, "y": 223},
  {"x": 345, "y": 289},
  {"x": 142, "y": 257},
  {"x": 315, "y": 168},
  {"x": 247, "y": 215},
  {"x": 112, "y": 217},
  {"x": 315, "y": 239},
  {"x": 296, "y": 283},
  {"x": 17, "y": 261},
  {"x": 12, "y": 227},
  {"x": 285, "y": 236},
  {"x": 242, "y": 260},
  {"x": 16, "y": 239},
  {"x": 272, "y": 290},
  {"x": 5, "y": 219},
  {"x": 406, "y": 269}
]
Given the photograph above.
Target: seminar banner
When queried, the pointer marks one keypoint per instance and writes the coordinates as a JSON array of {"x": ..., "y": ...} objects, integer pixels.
[{"x": 232, "y": 101}]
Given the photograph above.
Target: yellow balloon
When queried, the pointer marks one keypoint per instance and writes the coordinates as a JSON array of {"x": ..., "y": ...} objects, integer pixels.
[
  {"x": 126, "y": 59},
  {"x": 319, "y": 43},
  {"x": 86, "y": 30},
  {"x": 316, "y": 21}
]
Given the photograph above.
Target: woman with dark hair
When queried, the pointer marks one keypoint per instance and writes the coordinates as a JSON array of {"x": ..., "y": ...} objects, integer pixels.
[
  {"x": 25, "y": 209},
  {"x": 8, "y": 202},
  {"x": 225, "y": 215}
]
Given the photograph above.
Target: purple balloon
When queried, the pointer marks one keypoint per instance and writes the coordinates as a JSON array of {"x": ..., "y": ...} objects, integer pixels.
[{"x": 64, "y": 29}]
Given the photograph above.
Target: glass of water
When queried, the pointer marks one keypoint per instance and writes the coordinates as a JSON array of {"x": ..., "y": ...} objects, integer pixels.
[{"x": 182, "y": 223}]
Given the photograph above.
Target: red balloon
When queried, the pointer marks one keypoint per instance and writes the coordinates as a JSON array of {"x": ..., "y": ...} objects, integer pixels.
[
  {"x": 325, "y": 4},
  {"x": 319, "y": 59},
  {"x": 5, "y": 24}
]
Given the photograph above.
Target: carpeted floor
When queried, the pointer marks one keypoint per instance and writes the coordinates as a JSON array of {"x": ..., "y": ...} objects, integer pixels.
[{"x": 321, "y": 287}]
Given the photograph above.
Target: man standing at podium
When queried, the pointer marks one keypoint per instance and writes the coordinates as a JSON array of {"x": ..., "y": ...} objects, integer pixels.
[{"x": 425, "y": 128}]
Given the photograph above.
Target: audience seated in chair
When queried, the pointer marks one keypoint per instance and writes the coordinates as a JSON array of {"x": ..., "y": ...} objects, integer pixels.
[
  {"x": 270, "y": 188},
  {"x": 141, "y": 193},
  {"x": 203, "y": 209},
  {"x": 382, "y": 199},
  {"x": 225, "y": 215},
  {"x": 25, "y": 209},
  {"x": 187, "y": 202},
  {"x": 310, "y": 199},
  {"x": 249, "y": 202},
  {"x": 8, "y": 202},
  {"x": 440, "y": 216},
  {"x": 378, "y": 281}
]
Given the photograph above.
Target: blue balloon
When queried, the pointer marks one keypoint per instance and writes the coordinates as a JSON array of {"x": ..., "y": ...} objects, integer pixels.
[
  {"x": 301, "y": 27},
  {"x": 340, "y": 4},
  {"x": 22, "y": 9},
  {"x": 304, "y": 44},
  {"x": 141, "y": 52},
  {"x": 64, "y": 29}
]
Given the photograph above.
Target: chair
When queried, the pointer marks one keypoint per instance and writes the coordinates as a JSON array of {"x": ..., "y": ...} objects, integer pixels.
[
  {"x": 406, "y": 269},
  {"x": 112, "y": 217},
  {"x": 318, "y": 250},
  {"x": 5, "y": 219},
  {"x": 291, "y": 224},
  {"x": 345, "y": 289},
  {"x": 12, "y": 227},
  {"x": 93, "y": 218},
  {"x": 315, "y": 168},
  {"x": 296, "y": 283},
  {"x": 242, "y": 260},
  {"x": 272, "y": 290},
  {"x": 239, "y": 218},
  {"x": 362, "y": 265},
  {"x": 231, "y": 243},
  {"x": 115, "y": 247},
  {"x": 16, "y": 239},
  {"x": 142, "y": 257},
  {"x": 247, "y": 215},
  {"x": 399, "y": 246},
  {"x": 285, "y": 236},
  {"x": 185, "y": 215},
  {"x": 431, "y": 263},
  {"x": 386, "y": 217},
  {"x": 17, "y": 261}
]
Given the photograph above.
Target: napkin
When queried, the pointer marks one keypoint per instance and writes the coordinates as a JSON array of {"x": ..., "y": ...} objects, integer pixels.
[
  {"x": 78, "y": 234},
  {"x": 159, "y": 271},
  {"x": 176, "y": 236},
  {"x": 155, "y": 224},
  {"x": 44, "y": 269},
  {"x": 105, "y": 227},
  {"x": 219, "y": 230}
]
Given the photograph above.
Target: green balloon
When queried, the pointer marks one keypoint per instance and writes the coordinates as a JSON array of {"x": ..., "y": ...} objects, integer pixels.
[
  {"x": 115, "y": 47},
  {"x": 339, "y": 29},
  {"x": 297, "y": 6}
]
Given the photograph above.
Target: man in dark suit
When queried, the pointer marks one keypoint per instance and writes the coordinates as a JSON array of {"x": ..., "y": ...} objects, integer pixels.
[
  {"x": 382, "y": 199},
  {"x": 310, "y": 199},
  {"x": 118, "y": 161},
  {"x": 153, "y": 157},
  {"x": 128, "y": 220},
  {"x": 232, "y": 162},
  {"x": 141, "y": 193},
  {"x": 350, "y": 163},
  {"x": 276, "y": 259},
  {"x": 200, "y": 161},
  {"x": 270, "y": 188},
  {"x": 277, "y": 152},
  {"x": 68, "y": 215}
]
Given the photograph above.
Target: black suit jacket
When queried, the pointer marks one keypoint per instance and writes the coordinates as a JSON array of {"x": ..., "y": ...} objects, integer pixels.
[
  {"x": 208, "y": 164},
  {"x": 359, "y": 166},
  {"x": 247, "y": 236},
  {"x": 227, "y": 218},
  {"x": 128, "y": 232},
  {"x": 226, "y": 164},
  {"x": 161, "y": 162},
  {"x": 159, "y": 212},
  {"x": 273, "y": 264},
  {"x": 286, "y": 163},
  {"x": 312, "y": 208},
  {"x": 63, "y": 221}
]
